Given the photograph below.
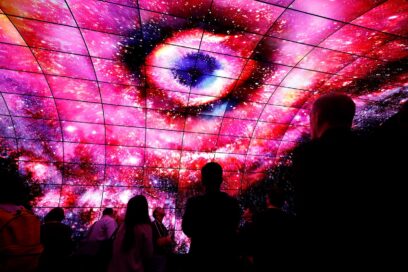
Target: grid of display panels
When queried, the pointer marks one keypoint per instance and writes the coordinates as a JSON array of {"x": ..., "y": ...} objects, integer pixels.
[{"x": 108, "y": 99}]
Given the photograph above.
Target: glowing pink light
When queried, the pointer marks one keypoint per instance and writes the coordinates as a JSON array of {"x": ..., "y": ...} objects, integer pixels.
[{"x": 86, "y": 123}]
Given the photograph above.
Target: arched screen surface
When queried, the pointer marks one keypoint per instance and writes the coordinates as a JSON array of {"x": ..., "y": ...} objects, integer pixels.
[{"x": 108, "y": 99}]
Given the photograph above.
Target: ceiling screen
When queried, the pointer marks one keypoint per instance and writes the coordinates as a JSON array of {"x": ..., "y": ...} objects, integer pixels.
[{"x": 108, "y": 99}]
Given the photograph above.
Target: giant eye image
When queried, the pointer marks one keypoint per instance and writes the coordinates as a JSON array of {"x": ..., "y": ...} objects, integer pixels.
[{"x": 104, "y": 100}]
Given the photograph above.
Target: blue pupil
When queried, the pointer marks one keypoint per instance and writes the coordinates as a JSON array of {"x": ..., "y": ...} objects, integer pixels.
[{"x": 195, "y": 69}]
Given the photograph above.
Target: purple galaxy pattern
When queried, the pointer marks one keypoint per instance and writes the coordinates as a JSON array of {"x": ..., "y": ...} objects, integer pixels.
[{"x": 108, "y": 99}]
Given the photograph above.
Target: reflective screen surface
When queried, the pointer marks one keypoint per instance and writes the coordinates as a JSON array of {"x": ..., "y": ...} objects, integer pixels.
[{"x": 108, "y": 99}]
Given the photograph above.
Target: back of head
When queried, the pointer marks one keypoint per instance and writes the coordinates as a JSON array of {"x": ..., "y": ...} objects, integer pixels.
[
  {"x": 107, "y": 211},
  {"x": 158, "y": 211},
  {"x": 211, "y": 175},
  {"x": 56, "y": 214},
  {"x": 137, "y": 212},
  {"x": 331, "y": 111}
]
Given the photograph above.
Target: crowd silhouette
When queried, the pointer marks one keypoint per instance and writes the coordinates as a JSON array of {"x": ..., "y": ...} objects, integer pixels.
[{"x": 339, "y": 180}]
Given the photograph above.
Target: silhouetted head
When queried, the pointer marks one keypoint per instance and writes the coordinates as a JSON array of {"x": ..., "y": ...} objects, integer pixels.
[
  {"x": 137, "y": 213},
  {"x": 159, "y": 213},
  {"x": 211, "y": 176},
  {"x": 331, "y": 111},
  {"x": 275, "y": 197},
  {"x": 108, "y": 211},
  {"x": 56, "y": 214}
]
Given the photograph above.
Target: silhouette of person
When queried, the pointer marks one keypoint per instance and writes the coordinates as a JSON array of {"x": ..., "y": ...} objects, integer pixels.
[
  {"x": 389, "y": 149},
  {"x": 20, "y": 246},
  {"x": 274, "y": 235},
  {"x": 133, "y": 245},
  {"x": 330, "y": 180},
  {"x": 96, "y": 246},
  {"x": 104, "y": 228},
  {"x": 56, "y": 238},
  {"x": 162, "y": 241},
  {"x": 211, "y": 221},
  {"x": 391, "y": 144},
  {"x": 246, "y": 240}
]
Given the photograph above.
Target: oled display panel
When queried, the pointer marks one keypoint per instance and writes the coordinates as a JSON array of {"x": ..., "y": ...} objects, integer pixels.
[{"x": 108, "y": 99}]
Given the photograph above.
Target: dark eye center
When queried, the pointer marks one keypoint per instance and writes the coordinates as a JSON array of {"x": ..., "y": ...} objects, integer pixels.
[{"x": 195, "y": 68}]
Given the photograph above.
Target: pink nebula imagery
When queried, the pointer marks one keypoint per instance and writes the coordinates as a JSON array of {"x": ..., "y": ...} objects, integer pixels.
[{"x": 108, "y": 99}]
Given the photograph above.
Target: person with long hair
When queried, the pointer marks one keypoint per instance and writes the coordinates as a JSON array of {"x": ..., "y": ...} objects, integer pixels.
[{"x": 133, "y": 245}]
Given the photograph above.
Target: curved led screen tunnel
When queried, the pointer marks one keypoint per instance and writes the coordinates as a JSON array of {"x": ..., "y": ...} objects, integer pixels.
[{"x": 108, "y": 99}]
